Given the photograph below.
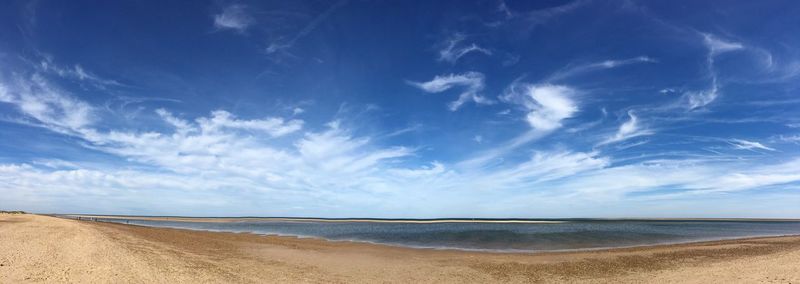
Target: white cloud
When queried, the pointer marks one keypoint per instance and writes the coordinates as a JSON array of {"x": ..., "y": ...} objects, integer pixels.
[
  {"x": 220, "y": 120},
  {"x": 434, "y": 169},
  {"x": 680, "y": 178},
  {"x": 220, "y": 145},
  {"x": 44, "y": 103},
  {"x": 543, "y": 167},
  {"x": 5, "y": 96},
  {"x": 748, "y": 145},
  {"x": 616, "y": 63},
  {"x": 56, "y": 164},
  {"x": 472, "y": 82},
  {"x": 493, "y": 154},
  {"x": 76, "y": 72},
  {"x": 570, "y": 71},
  {"x": 628, "y": 130},
  {"x": 273, "y": 126},
  {"x": 335, "y": 150},
  {"x": 752, "y": 177},
  {"x": 551, "y": 108},
  {"x": 715, "y": 46},
  {"x": 502, "y": 8},
  {"x": 224, "y": 164},
  {"x": 454, "y": 49},
  {"x": 789, "y": 138},
  {"x": 697, "y": 99},
  {"x": 534, "y": 18},
  {"x": 181, "y": 126},
  {"x": 564, "y": 180},
  {"x": 667, "y": 91},
  {"x": 234, "y": 17},
  {"x": 547, "y": 104}
]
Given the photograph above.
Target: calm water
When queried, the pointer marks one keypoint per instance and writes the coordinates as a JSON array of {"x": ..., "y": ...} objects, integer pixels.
[{"x": 503, "y": 237}]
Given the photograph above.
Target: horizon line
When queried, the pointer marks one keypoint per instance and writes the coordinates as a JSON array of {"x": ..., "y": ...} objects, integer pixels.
[{"x": 442, "y": 219}]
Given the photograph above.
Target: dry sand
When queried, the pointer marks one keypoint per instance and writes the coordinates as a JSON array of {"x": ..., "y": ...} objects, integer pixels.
[{"x": 46, "y": 249}]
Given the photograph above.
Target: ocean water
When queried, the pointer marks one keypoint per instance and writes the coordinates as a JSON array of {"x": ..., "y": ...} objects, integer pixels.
[{"x": 530, "y": 237}]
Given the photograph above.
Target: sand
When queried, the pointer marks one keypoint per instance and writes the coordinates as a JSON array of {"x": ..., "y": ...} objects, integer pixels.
[{"x": 47, "y": 249}]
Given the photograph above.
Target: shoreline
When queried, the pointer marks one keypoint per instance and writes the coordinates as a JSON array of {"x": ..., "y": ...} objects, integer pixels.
[
  {"x": 45, "y": 248},
  {"x": 709, "y": 242},
  {"x": 397, "y": 245},
  {"x": 323, "y": 220},
  {"x": 420, "y": 221}
]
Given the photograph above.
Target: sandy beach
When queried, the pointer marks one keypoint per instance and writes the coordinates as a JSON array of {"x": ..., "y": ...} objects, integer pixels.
[{"x": 48, "y": 249}]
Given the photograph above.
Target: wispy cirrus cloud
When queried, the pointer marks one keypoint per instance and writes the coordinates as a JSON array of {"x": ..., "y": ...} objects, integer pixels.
[
  {"x": 471, "y": 82},
  {"x": 627, "y": 130},
  {"x": 76, "y": 72},
  {"x": 202, "y": 160},
  {"x": 46, "y": 105},
  {"x": 454, "y": 48},
  {"x": 789, "y": 138},
  {"x": 233, "y": 152},
  {"x": 234, "y": 17},
  {"x": 543, "y": 167},
  {"x": 748, "y": 145},
  {"x": 683, "y": 178},
  {"x": 534, "y": 18},
  {"x": 537, "y": 143},
  {"x": 575, "y": 70},
  {"x": 221, "y": 120},
  {"x": 546, "y": 106},
  {"x": 715, "y": 46}
]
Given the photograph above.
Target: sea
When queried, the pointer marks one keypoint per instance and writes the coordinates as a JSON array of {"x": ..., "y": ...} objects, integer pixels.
[{"x": 561, "y": 235}]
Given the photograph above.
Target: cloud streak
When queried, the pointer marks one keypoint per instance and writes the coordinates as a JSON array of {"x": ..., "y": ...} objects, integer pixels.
[
  {"x": 234, "y": 17},
  {"x": 748, "y": 145},
  {"x": 531, "y": 19},
  {"x": 75, "y": 72},
  {"x": 576, "y": 70},
  {"x": 715, "y": 46},
  {"x": 46, "y": 105},
  {"x": 472, "y": 83},
  {"x": 454, "y": 49},
  {"x": 546, "y": 106},
  {"x": 627, "y": 130}
]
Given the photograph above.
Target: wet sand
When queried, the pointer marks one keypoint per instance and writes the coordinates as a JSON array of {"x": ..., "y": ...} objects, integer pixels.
[{"x": 47, "y": 249}]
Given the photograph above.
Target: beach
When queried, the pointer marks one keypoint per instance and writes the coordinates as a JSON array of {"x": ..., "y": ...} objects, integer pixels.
[{"x": 47, "y": 249}]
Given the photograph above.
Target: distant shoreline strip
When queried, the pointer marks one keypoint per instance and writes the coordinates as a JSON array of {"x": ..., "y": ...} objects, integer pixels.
[
  {"x": 416, "y": 221},
  {"x": 234, "y": 219}
]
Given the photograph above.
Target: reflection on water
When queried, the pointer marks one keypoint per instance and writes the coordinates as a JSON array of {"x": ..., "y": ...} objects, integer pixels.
[{"x": 584, "y": 234}]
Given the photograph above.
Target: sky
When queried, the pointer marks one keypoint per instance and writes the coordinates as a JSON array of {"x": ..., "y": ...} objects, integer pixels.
[{"x": 401, "y": 109}]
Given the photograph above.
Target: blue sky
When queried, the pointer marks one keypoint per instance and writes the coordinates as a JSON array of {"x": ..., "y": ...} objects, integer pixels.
[{"x": 401, "y": 108}]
